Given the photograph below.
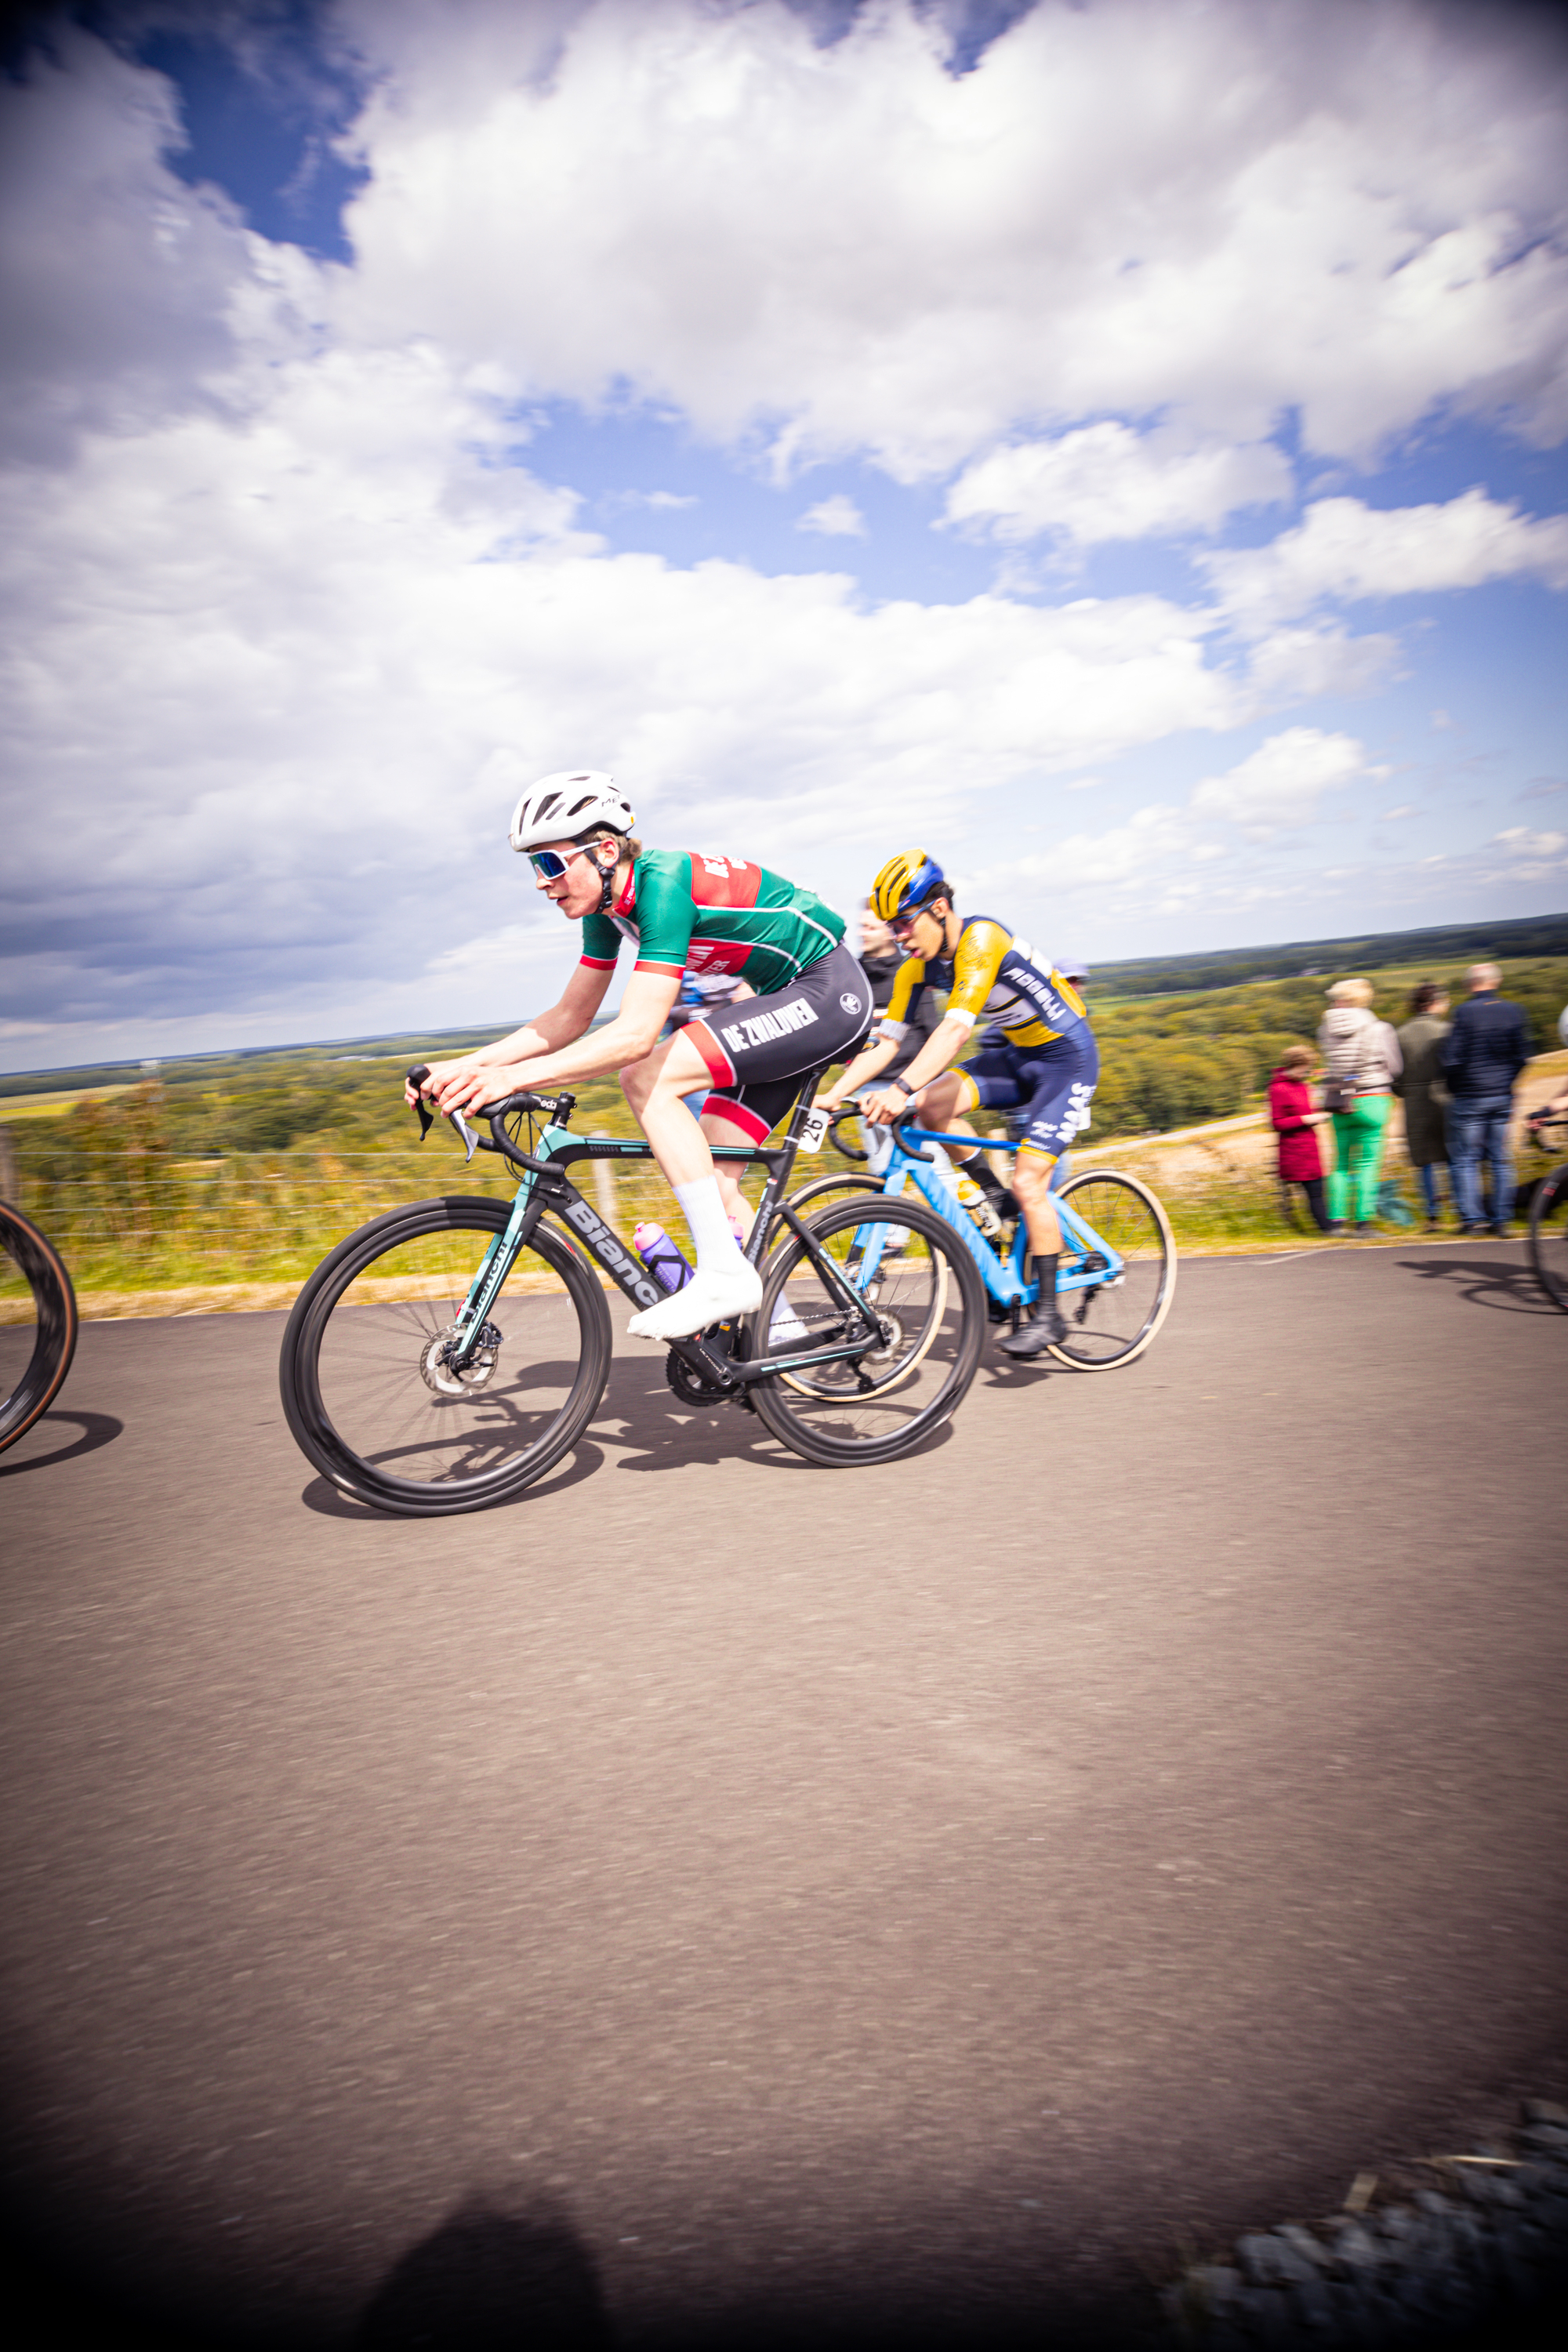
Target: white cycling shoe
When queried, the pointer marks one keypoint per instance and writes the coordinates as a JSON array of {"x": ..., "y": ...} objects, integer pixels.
[{"x": 706, "y": 1299}]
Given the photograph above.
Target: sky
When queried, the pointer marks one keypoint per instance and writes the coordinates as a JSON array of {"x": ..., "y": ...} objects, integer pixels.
[{"x": 1114, "y": 445}]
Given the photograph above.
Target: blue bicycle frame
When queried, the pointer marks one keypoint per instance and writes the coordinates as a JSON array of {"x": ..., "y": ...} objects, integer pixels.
[{"x": 1004, "y": 1277}]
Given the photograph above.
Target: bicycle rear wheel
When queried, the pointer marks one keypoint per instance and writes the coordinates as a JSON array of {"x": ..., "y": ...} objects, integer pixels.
[
  {"x": 38, "y": 1324},
  {"x": 1548, "y": 1236},
  {"x": 1114, "y": 1322},
  {"x": 365, "y": 1389},
  {"x": 924, "y": 1324}
]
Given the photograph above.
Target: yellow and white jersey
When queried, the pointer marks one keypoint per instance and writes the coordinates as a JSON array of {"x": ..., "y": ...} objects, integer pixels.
[{"x": 992, "y": 976}]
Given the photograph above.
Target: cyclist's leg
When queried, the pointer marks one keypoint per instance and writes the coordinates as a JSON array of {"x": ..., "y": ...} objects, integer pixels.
[
  {"x": 1062, "y": 1076},
  {"x": 746, "y": 1115},
  {"x": 824, "y": 1012}
]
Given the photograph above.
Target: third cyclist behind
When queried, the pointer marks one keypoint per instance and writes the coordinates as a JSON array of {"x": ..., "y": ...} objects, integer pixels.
[{"x": 1038, "y": 1054}]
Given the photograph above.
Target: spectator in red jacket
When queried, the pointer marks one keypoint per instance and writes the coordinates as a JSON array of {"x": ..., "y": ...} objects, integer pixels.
[{"x": 1296, "y": 1123}]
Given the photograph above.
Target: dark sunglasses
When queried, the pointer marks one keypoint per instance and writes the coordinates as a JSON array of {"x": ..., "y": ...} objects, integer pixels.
[{"x": 549, "y": 864}]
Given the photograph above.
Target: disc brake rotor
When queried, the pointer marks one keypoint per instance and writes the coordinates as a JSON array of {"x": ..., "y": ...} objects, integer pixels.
[{"x": 438, "y": 1372}]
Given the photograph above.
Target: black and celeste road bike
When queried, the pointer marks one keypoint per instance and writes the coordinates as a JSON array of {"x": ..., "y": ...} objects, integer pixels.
[{"x": 449, "y": 1353}]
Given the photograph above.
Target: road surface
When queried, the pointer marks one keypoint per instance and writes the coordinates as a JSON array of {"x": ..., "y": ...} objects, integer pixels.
[{"x": 715, "y": 1900}]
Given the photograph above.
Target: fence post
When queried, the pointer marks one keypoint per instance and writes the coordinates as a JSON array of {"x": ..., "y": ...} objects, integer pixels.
[
  {"x": 603, "y": 1180},
  {"x": 7, "y": 1167}
]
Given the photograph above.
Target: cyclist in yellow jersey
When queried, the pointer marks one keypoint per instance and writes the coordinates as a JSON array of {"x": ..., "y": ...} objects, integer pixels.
[{"x": 1038, "y": 1054}]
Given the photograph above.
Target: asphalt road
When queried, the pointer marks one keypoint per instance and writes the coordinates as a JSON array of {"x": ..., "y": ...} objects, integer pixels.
[{"x": 715, "y": 1900}]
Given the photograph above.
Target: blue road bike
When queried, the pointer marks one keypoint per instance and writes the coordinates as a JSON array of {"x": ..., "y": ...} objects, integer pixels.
[{"x": 1117, "y": 1273}]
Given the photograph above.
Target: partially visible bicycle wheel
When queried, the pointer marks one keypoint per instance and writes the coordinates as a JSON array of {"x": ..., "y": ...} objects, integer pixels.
[
  {"x": 38, "y": 1324},
  {"x": 822, "y": 1188},
  {"x": 1109, "y": 1323},
  {"x": 1548, "y": 1236},
  {"x": 368, "y": 1396},
  {"x": 920, "y": 1329}
]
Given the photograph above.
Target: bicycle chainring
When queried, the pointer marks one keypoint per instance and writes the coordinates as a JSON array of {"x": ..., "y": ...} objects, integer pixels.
[
  {"x": 438, "y": 1372},
  {"x": 690, "y": 1386}
]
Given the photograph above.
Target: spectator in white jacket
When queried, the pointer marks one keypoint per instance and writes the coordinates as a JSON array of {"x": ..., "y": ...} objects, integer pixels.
[{"x": 1361, "y": 1061}]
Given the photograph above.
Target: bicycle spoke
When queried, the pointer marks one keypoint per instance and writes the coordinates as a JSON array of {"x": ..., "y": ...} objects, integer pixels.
[
  {"x": 373, "y": 1397},
  {"x": 1112, "y": 1322},
  {"x": 915, "y": 1329}
]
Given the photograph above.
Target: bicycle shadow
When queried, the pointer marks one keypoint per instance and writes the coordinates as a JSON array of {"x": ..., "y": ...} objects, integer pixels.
[
  {"x": 96, "y": 1429},
  {"x": 323, "y": 1498},
  {"x": 659, "y": 1431},
  {"x": 1507, "y": 1285}
]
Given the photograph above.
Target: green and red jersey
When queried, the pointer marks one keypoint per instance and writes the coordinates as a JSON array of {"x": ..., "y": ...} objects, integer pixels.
[{"x": 687, "y": 911}]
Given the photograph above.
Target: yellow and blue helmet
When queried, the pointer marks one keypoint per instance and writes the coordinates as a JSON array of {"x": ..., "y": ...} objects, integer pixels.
[{"x": 906, "y": 882}]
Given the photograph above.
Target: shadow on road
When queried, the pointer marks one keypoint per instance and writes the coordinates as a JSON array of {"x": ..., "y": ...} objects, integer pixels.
[
  {"x": 96, "y": 1429},
  {"x": 1501, "y": 1282},
  {"x": 323, "y": 1498},
  {"x": 489, "y": 2280},
  {"x": 661, "y": 1431}
]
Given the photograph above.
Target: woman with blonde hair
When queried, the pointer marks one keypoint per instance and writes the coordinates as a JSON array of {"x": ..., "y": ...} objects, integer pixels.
[{"x": 1361, "y": 1061}]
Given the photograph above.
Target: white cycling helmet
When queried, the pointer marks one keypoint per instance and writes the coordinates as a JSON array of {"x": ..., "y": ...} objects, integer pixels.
[{"x": 558, "y": 808}]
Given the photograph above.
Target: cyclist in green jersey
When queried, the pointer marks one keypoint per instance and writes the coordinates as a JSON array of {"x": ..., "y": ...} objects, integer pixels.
[{"x": 684, "y": 911}]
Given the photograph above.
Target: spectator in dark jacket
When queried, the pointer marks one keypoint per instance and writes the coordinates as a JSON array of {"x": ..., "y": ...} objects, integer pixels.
[
  {"x": 1296, "y": 1123},
  {"x": 1482, "y": 1054},
  {"x": 1420, "y": 1083}
]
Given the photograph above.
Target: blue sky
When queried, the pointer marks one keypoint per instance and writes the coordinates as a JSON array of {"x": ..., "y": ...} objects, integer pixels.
[{"x": 1118, "y": 446}]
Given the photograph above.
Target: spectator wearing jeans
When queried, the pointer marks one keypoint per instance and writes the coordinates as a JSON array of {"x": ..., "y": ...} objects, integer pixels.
[
  {"x": 1425, "y": 1096},
  {"x": 1482, "y": 1054},
  {"x": 1361, "y": 1059}
]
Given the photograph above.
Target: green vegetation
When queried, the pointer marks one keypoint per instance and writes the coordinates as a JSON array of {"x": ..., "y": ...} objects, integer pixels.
[
  {"x": 1169, "y": 1061},
  {"x": 245, "y": 1168},
  {"x": 1451, "y": 946}
]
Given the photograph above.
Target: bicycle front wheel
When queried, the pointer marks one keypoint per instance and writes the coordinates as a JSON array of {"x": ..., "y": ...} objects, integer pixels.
[
  {"x": 369, "y": 1398},
  {"x": 1112, "y": 1322},
  {"x": 922, "y": 1320},
  {"x": 1548, "y": 1236},
  {"x": 38, "y": 1324}
]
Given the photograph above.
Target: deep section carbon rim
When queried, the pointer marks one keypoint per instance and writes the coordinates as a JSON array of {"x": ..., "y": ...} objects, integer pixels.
[
  {"x": 38, "y": 1324},
  {"x": 368, "y": 1393},
  {"x": 1111, "y": 1323},
  {"x": 922, "y": 1323},
  {"x": 1548, "y": 1236}
]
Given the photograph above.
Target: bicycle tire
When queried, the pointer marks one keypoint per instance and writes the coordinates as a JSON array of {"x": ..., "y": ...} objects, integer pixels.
[
  {"x": 823, "y": 1188},
  {"x": 1136, "y": 1305},
  {"x": 36, "y": 1354},
  {"x": 1549, "y": 1235},
  {"x": 931, "y": 1294},
  {"x": 358, "y": 1373}
]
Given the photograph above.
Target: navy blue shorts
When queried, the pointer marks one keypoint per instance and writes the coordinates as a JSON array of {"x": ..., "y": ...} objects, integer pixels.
[{"x": 1050, "y": 1087}]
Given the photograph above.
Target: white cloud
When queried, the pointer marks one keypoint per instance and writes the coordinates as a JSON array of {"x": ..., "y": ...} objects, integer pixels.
[
  {"x": 116, "y": 280},
  {"x": 1283, "y": 782},
  {"x": 1406, "y": 808},
  {"x": 1106, "y": 481},
  {"x": 1518, "y": 841},
  {"x": 1346, "y": 550},
  {"x": 284, "y": 645},
  {"x": 1209, "y": 212},
  {"x": 836, "y": 518}
]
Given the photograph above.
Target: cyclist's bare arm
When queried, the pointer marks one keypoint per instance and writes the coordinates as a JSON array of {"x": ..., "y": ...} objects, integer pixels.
[
  {"x": 630, "y": 1037},
  {"x": 867, "y": 1062},
  {"x": 940, "y": 1050}
]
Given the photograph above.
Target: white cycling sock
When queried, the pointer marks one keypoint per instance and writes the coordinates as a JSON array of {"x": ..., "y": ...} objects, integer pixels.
[{"x": 717, "y": 1248}]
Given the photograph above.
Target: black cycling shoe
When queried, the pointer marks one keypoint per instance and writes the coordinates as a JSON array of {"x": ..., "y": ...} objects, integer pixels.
[{"x": 1045, "y": 1329}]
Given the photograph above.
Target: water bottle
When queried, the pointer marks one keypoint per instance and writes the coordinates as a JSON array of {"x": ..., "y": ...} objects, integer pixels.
[
  {"x": 659, "y": 1254},
  {"x": 980, "y": 1206}
]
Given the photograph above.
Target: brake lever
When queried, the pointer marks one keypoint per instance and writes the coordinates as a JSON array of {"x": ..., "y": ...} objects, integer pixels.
[
  {"x": 417, "y": 1077},
  {"x": 470, "y": 1141}
]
